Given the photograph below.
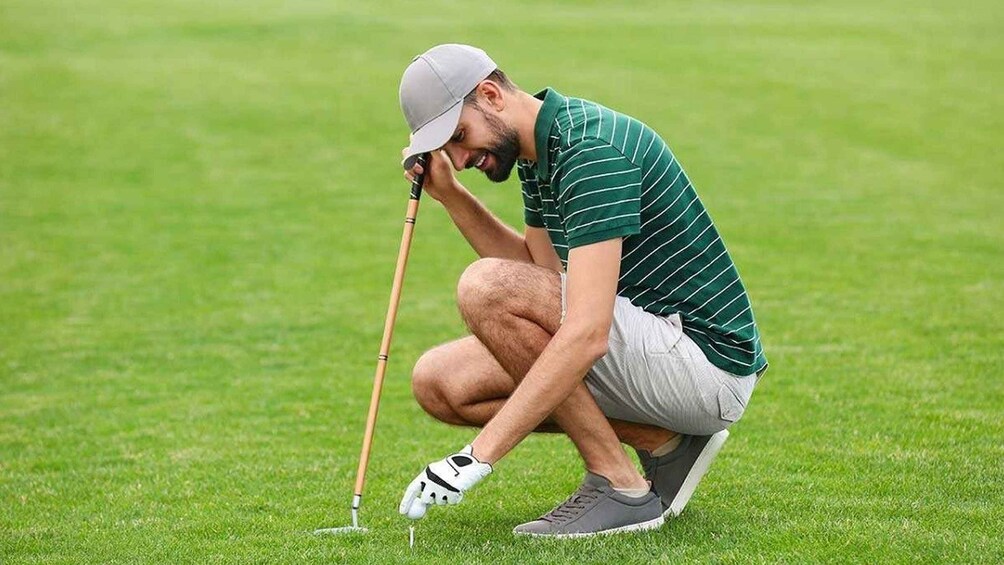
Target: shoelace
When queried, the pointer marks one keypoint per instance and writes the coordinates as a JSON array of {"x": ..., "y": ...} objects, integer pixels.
[{"x": 570, "y": 508}]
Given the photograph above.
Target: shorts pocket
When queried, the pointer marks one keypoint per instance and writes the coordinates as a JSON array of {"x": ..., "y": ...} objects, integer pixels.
[
  {"x": 660, "y": 336},
  {"x": 729, "y": 406}
]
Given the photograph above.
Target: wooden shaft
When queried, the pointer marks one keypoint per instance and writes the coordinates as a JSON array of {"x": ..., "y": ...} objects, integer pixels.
[{"x": 388, "y": 332}]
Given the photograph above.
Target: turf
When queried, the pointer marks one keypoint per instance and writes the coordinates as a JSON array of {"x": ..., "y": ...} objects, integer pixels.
[{"x": 200, "y": 207}]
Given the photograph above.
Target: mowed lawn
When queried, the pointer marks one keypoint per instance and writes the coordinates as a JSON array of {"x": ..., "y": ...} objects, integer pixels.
[{"x": 201, "y": 205}]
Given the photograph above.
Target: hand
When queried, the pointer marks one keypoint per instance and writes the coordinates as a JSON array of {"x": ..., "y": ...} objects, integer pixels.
[
  {"x": 440, "y": 181},
  {"x": 443, "y": 482}
]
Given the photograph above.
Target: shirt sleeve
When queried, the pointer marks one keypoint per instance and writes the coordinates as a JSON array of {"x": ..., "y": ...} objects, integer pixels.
[
  {"x": 531, "y": 196},
  {"x": 598, "y": 193}
]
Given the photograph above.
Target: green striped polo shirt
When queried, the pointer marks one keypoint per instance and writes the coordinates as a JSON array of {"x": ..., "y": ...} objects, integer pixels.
[{"x": 601, "y": 175}]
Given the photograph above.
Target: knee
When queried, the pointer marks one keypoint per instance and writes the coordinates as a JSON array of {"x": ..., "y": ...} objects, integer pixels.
[
  {"x": 481, "y": 288},
  {"x": 427, "y": 386}
]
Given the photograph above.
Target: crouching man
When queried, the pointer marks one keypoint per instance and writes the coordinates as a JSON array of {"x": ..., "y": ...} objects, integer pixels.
[{"x": 617, "y": 317}]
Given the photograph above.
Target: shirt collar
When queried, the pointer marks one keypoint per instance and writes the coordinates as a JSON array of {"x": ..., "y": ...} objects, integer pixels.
[{"x": 542, "y": 127}]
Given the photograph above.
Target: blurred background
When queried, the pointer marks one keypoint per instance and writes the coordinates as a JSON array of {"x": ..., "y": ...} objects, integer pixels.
[{"x": 201, "y": 205}]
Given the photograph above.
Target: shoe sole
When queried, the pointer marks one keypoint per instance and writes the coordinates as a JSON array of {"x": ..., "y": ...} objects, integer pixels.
[
  {"x": 652, "y": 524},
  {"x": 696, "y": 473}
]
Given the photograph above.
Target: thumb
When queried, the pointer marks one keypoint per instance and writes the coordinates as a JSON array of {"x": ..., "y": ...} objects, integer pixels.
[{"x": 410, "y": 494}]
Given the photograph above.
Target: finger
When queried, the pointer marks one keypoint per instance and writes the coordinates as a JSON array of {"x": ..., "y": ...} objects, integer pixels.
[
  {"x": 432, "y": 497},
  {"x": 446, "y": 499},
  {"x": 416, "y": 170},
  {"x": 409, "y": 496}
]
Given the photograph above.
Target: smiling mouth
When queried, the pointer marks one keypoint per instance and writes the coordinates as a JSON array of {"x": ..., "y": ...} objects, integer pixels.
[{"x": 481, "y": 162}]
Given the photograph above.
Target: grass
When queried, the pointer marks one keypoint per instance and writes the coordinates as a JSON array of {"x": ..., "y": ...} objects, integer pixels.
[{"x": 200, "y": 206}]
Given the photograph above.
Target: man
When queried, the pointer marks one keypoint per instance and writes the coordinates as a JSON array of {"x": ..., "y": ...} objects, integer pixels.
[{"x": 617, "y": 317}]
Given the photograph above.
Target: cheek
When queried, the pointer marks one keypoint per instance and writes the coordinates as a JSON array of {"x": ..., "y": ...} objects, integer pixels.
[{"x": 489, "y": 143}]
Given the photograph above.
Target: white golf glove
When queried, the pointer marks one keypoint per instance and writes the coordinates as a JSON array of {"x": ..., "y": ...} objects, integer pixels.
[{"x": 443, "y": 482}]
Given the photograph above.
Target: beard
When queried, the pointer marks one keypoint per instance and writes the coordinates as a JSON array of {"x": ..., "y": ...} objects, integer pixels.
[{"x": 505, "y": 149}]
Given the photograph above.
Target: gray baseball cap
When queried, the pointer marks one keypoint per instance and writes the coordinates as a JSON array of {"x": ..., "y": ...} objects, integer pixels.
[{"x": 432, "y": 93}]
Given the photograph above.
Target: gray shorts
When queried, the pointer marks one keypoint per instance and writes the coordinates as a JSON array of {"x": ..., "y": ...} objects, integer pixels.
[{"x": 654, "y": 374}]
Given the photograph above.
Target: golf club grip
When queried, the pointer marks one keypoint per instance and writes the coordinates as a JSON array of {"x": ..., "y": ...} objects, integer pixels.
[{"x": 416, "y": 184}]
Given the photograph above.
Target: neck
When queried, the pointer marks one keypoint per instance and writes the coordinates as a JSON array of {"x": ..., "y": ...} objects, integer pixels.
[{"x": 525, "y": 120}]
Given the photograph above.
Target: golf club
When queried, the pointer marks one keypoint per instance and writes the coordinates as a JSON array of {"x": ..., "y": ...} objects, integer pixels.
[{"x": 381, "y": 368}]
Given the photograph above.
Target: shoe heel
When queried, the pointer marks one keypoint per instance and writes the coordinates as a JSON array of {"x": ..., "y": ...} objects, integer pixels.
[{"x": 696, "y": 473}]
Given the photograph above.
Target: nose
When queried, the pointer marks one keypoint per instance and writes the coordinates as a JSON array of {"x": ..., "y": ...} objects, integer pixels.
[{"x": 458, "y": 156}]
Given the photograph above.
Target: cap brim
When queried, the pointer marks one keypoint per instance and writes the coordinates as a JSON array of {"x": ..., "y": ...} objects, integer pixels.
[{"x": 434, "y": 134}]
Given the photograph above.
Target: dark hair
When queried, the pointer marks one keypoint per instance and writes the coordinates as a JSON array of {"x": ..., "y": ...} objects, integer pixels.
[{"x": 498, "y": 77}]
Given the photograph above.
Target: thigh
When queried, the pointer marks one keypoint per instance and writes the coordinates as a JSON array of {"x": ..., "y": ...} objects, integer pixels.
[
  {"x": 654, "y": 374},
  {"x": 491, "y": 285},
  {"x": 466, "y": 371},
  {"x": 468, "y": 375}
]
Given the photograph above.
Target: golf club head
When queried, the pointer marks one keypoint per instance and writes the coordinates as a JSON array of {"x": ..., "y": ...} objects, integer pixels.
[{"x": 340, "y": 531}]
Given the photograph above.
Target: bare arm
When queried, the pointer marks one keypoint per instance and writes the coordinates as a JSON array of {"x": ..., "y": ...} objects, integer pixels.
[
  {"x": 486, "y": 234},
  {"x": 581, "y": 340},
  {"x": 541, "y": 249}
]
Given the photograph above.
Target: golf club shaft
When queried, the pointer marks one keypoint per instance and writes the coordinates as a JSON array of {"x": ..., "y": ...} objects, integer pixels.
[{"x": 388, "y": 332}]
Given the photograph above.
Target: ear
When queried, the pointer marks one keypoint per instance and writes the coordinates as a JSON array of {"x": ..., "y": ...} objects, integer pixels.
[{"x": 493, "y": 94}]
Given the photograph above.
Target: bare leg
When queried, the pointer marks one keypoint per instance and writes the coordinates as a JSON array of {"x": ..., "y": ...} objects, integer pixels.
[
  {"x": 514, "y": 309},
  {"x": 461, "y": 383}
]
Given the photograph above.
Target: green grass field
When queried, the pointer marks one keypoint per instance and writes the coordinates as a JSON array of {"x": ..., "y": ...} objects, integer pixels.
[{"x": 200, "y": 209}]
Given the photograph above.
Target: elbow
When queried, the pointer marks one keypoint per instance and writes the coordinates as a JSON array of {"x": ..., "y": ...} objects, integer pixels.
[
  {"x": 598, "y": 347},
  {"x": 592, "y": 341}
]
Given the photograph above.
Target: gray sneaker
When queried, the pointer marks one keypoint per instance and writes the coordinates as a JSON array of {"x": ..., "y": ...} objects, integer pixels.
[
  {"x": 675, "y": 475},
  {"x": 596, "y": 508}
]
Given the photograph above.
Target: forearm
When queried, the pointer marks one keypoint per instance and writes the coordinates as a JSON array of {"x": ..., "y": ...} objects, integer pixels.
[
  {"x": 552, "y": 379},
  {"x": 486, "y": 234}
]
